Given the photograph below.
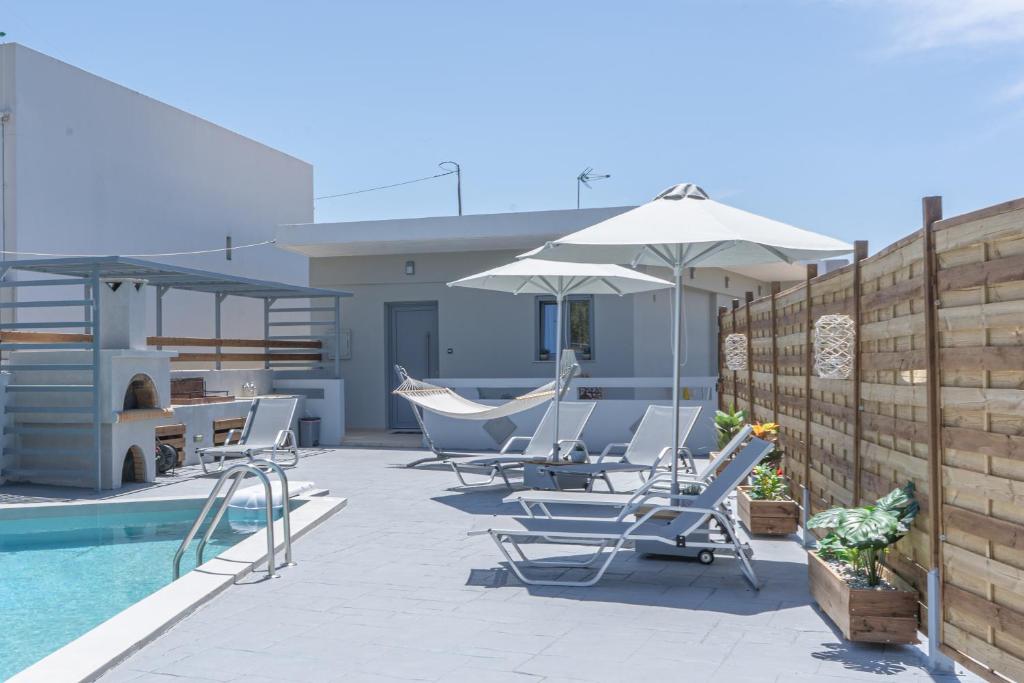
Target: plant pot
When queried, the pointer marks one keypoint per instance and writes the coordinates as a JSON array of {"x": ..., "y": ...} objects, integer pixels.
[
  {"x": 864, "y": 615},
  {"x": 770, "y": 517}
]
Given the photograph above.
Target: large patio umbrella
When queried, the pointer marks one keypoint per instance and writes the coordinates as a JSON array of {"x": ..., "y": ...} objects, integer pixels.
[
  {"x": 682, "y": 228},
  {"x": 561, "y": 279}
]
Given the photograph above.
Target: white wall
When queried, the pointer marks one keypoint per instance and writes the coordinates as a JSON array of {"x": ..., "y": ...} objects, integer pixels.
[
  {"x": 492, "y": 334},
  {"x": 95, "y": 168}
]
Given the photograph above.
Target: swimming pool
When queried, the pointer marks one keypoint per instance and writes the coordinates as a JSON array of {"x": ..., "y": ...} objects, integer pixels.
[{"x": 66, "y": 569}]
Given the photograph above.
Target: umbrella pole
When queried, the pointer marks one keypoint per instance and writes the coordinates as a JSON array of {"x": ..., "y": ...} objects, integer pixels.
[
  {"x": 677, "y": 316},
  {"x": 558, "y": 369}
]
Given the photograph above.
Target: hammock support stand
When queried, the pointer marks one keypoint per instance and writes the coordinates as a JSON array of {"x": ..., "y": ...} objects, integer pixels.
[{"x": 475, "y": 411}]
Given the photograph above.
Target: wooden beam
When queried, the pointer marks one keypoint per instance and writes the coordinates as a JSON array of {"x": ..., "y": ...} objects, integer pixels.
[
  {"x": 235, "y": 343},
  {"x": 748, "y": 297},
  {"x": 43, "y": 337},
  {"x": 931, "y": 210},
  {"x": 54, "y": 337},
  {"x": 860, "y": 252},
  {"x": 812, "y": 272},
  {"x": 240, "y": 357},
  {"x": 775, "y": 287},
  {"x": 721, "y": 359},
  {"x": 735, "y": 391}
]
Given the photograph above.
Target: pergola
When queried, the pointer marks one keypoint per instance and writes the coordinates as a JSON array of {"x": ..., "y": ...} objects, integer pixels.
[
  {"x": 80, "y": 310},
  {"x": 89, "y": 271}
]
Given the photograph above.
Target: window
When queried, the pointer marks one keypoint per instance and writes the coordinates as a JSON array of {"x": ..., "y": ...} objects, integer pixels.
[{"x": 577, "y": 326}]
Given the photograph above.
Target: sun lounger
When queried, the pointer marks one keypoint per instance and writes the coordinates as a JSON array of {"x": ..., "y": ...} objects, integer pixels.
[
  {"x": 689, "y": 529},
  {"x": 656, "y": 488},
  {"x": 649, "y": 449},
  {"x": 267, "y": 429},
  {"x": 540, "y": 447}
]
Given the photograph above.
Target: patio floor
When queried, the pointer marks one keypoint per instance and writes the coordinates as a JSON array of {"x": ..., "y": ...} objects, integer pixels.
[{"x": 392, "y": 589}]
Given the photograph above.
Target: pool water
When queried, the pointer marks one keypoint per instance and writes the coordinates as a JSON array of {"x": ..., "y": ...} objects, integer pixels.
[{"x": 62, "y": 575}]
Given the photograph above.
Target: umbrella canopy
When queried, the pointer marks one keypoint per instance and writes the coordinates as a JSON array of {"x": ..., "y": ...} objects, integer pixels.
[
  {"x": 683, "y": 228},
  {"x": 561, "y": 279},
  {"x": 535, "y": 276}
]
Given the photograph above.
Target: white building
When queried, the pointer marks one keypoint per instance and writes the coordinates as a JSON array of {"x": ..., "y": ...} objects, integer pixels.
[
  {"x": 403, "y": 312},
  {"x": 92, "y": 167}
]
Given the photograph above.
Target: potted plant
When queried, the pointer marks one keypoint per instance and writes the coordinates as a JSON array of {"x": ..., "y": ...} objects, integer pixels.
[
  {"x": 727, "y": 423},
  {"x": 765, "y": 507},
  {"x": 544, "y": 355},
  {"x": 769, "y": 431},
  {"x": 847, "y": 578}
]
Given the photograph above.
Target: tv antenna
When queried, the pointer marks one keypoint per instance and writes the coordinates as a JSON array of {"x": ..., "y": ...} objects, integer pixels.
[{"x": 585, "y": 178}]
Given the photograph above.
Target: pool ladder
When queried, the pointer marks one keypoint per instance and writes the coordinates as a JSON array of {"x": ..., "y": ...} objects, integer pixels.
[{"x": 236, "y": 473}]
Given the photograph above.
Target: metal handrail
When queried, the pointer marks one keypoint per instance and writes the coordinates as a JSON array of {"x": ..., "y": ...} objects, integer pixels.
[{"x": 237, "y": 473}]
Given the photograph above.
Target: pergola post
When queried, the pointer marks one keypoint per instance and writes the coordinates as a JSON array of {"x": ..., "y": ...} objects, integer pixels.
[
  {"x": 218, "y": 300},
  {"x": 160, "y": 291},
  {"x": 337, "y": 337},
  {"x": 267, "y": 303},
  {"x": 97, "y": 435}
]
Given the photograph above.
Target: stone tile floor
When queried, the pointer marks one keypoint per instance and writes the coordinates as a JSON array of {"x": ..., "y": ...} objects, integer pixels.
[{"x": 392, "y": 589}]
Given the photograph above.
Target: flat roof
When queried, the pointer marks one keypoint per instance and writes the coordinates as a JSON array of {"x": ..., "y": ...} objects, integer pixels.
[
  {"x": 174, "y": 277},
  {"x": 520, "y": 231}
]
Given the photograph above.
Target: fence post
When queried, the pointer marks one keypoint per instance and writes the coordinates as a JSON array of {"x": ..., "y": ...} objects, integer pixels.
[
  {"x": 749, "y": 297},
  {"x": 735, "y": 393},
  {"x": 931, "y": 208},
  {"x": 812, "y": 272},
  {"x": 721, "y": 358},
  {"x": 860, "y": 252},
  {"x": 776, "y": 287}
]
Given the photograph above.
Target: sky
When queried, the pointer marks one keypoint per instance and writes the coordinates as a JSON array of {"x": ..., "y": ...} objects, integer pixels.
[{"x": 833, "y": 115}]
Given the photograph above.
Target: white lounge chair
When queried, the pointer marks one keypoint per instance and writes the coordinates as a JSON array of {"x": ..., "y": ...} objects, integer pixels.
[
  {"x": 689, "y": 529},
  {"x": 657, "y": 487},
  {"x": 573, "y": 416},
  {"x": 267, "y": 430},
  {"x": 649, "y": 449}
]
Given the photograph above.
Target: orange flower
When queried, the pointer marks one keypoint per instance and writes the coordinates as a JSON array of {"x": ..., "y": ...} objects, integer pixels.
[{"x": 765, "y": 428}]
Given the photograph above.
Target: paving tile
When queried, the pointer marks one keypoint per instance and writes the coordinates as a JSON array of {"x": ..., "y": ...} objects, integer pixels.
[{"x": 388, "y": 592}]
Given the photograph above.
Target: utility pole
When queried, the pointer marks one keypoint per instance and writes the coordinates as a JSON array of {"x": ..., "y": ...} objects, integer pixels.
[{"x": 458, "y": 179}]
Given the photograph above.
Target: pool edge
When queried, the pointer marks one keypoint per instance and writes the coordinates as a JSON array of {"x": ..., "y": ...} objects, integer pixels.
[{"x": 96, "y": 651}]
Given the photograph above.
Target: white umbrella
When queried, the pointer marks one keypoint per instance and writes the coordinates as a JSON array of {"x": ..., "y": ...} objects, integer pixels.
[
  {"x": 682, "y": 228},
  {"x": 561, "y": 279}
]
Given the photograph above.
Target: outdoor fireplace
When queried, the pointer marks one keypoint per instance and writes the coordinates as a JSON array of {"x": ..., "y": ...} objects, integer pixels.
[{"x": 141, "y": 394}]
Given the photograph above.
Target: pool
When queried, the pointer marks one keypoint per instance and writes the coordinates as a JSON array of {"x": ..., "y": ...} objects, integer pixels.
[{"x": 66, "y": 569}]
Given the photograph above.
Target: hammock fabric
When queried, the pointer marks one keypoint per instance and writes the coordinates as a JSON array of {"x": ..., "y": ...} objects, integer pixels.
[{"x": 444, "y": 401}]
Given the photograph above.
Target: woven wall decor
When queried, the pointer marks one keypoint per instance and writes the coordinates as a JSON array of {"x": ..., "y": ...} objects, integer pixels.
[
  {"x": 834, "y": 344},
  {"x": 736, "y": 351}
]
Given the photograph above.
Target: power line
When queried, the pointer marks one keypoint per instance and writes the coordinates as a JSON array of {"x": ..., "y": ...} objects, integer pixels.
[
  {"x": 171, "y": 253},
  {"x": 385, "y": 187}
]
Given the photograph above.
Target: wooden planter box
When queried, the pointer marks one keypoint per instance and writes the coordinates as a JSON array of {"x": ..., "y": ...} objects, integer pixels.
[
  {"x": 864, "y": 615},
  {"x": 771, "y": 517}
]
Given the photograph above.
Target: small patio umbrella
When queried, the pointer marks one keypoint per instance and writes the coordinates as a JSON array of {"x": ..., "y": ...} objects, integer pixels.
[
  {"x": 535, "y": 276},
  {"x": 682, "y": 228}
]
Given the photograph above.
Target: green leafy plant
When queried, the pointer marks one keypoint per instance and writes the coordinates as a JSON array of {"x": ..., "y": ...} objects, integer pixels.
[
  {"x": 860, "y": 537},
  {"x": 727, "y": 424},
  {"x": 767, "y": 483}
]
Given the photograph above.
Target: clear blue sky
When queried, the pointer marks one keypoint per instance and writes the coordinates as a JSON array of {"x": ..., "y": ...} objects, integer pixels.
[{"x": 834, "y": 115}]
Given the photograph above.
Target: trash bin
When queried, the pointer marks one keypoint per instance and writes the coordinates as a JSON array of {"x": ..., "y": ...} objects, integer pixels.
[{"x": 309, "y": 432}]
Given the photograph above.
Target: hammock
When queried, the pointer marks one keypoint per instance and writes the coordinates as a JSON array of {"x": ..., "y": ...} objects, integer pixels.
[{"x": 444, "y": 401}]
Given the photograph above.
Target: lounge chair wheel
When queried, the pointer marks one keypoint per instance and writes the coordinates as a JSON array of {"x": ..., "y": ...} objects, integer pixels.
[{"x": 705, "y": 557}]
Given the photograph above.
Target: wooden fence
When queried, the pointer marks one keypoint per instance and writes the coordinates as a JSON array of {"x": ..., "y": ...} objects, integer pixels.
[{"x": 936, "y": 397}]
